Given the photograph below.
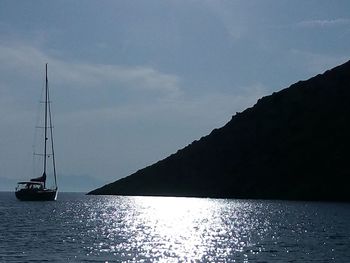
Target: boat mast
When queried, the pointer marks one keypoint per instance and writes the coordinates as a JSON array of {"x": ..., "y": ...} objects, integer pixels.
[{"x": 45, "y": 126}]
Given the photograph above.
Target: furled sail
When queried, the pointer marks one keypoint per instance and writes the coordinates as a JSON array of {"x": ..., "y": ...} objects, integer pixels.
[{"x": 39, "y": 179}]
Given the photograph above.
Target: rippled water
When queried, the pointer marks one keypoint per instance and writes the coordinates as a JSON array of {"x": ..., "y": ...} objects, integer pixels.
[{"x": 79, "y": 228}]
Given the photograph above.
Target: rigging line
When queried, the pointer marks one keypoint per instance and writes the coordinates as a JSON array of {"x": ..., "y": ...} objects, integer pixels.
[
  {"x": 35, "y": 163},
  {"x": 52, "y": 144}
]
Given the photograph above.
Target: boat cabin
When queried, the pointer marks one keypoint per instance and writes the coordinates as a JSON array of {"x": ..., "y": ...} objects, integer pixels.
[{"x": 29, "y": 186}]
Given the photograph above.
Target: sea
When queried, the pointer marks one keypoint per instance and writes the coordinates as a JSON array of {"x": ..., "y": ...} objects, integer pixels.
[{"x": 81, "y": 228}]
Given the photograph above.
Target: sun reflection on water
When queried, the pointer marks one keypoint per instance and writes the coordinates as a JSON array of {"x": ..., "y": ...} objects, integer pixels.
[
  {"x": 171, "y": 229},
  {"x": 93, "y": 229},
  {"x": 178, "y": 227}
]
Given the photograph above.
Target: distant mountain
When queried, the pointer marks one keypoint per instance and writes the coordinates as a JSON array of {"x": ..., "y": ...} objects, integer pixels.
[{"x": 293, "y": 144}]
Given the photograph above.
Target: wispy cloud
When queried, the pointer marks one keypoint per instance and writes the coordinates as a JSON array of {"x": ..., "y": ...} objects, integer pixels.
[
  {"x": 21, "y": 58},
  {"x": 143, "y": 78},
  {"x": 320, "y": 23},
  {"x": 27, "y": 60}
]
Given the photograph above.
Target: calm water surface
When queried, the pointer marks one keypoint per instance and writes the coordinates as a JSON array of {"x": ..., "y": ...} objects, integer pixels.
[{"x": 79, "y": 228}]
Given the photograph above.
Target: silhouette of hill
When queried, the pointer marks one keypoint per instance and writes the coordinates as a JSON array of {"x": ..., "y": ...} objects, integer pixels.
[{"x": 293, "y": 144}]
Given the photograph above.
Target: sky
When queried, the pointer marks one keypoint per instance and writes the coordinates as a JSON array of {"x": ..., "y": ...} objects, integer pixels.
[{"x": 132, "y": 82}]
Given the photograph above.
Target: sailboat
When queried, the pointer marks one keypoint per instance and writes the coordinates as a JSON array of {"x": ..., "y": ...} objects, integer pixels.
[{"x": 35, "y": 189}]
